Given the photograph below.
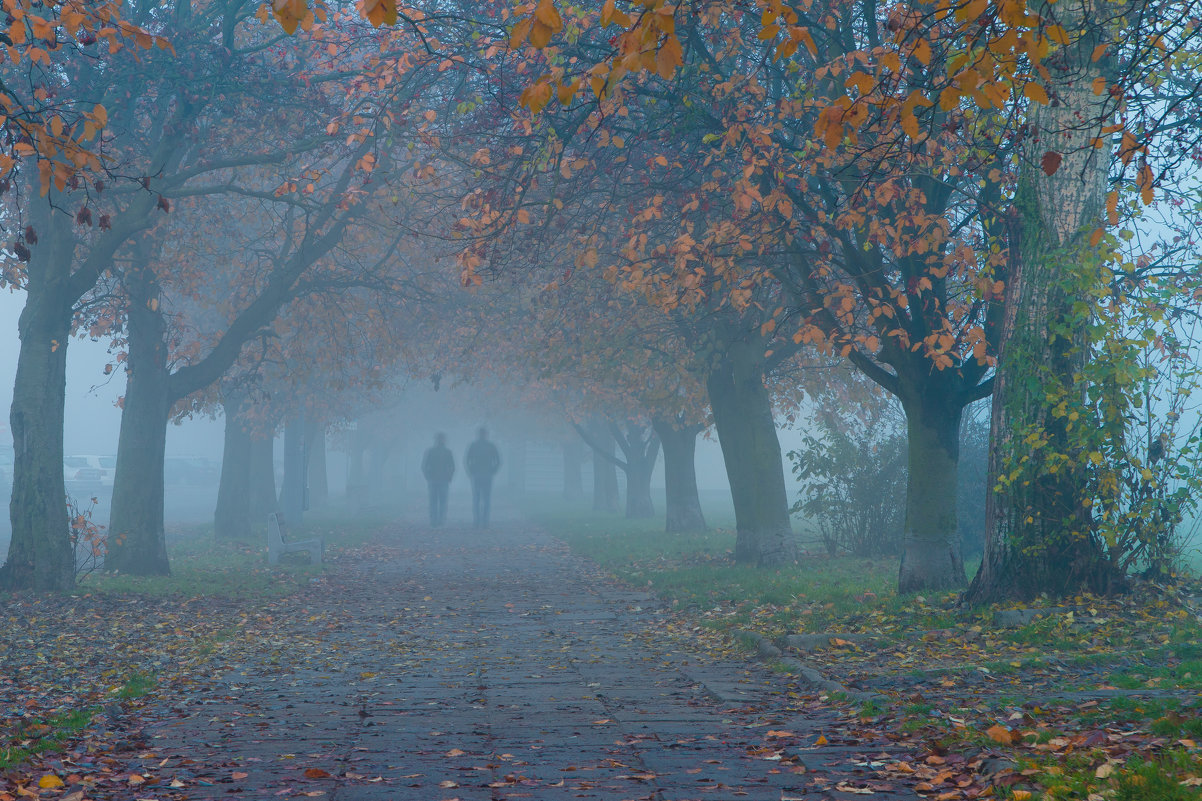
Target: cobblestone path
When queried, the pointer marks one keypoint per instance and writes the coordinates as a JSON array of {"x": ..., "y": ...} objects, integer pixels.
[{"x": 459, "y": 665}]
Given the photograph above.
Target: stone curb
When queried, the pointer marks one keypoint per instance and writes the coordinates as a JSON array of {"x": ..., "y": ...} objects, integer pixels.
[{"x": 766, "y": 651}]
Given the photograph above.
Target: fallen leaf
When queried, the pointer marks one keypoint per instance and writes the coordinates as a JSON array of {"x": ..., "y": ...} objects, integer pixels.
[
  {"x": 50, "y": 781},
  {"x": 317, "y": 773},
  {"x": 780, "y": 733},
  {"x": 1001, "y": 734},
  {"x": 1104, "y": 771},
  {"x": 448, "y": 784},
  {"x": 238, "y": 775},
  {"x": 821, "y": 740},
  {"x": 454, "y": 752}
]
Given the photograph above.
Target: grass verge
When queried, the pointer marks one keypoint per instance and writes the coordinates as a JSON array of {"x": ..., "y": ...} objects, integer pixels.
[{"x": 1093, "y": 698}]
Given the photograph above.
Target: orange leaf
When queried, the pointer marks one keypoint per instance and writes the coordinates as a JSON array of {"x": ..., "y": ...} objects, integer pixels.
[
  {"x": 548, "y": 14},
  {"x": 1146, "y": 181},
  {"x": 949, "y": 98},
  {"x": 922, "y": 51},
  {"x": 1001, "y": 734},
  {"x": 238, "y": 775},
  {"x": 317, "y": 773},
  {"x": 668, "y": 57}
]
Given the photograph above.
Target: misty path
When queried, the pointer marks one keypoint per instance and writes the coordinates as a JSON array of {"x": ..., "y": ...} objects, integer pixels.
[{"x": 455, "y": 664}]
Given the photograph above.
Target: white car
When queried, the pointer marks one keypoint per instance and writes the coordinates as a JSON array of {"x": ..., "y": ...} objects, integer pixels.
[{"x": 107, "y": 465}]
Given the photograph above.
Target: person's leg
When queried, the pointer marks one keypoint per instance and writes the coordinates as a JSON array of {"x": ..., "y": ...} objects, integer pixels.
[
  {"x": 432, "y": 487},
  {"x": 443, "y": 489},
  {"x": 475, "y": 502},
  {"x": 485, "y": 500}
]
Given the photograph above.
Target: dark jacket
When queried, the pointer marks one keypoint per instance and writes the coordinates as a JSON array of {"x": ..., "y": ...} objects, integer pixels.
[
  {"x": 482, "y": 460},
  {"x": 438, "y": 465}
]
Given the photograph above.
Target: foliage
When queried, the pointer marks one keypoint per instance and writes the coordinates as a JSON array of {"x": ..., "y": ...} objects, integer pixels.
[
  {"x": 89, "y": 541},
  {"x": 852, "y": 472},
  {"x": 1127, "y": 423}
]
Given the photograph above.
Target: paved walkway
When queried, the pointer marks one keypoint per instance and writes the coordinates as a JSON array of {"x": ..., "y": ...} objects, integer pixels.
[{"x": 482, "y": 667}]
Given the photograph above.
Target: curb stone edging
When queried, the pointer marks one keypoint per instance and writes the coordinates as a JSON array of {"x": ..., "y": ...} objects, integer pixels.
[{"x": 766, "y": 651}]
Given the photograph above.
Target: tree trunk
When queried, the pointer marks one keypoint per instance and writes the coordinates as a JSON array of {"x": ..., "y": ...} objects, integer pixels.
[
  {"x": 1038, "y": 530},
  {"x": 356, "y": 482},
  {"x": 640, "y": 449},
  {"x": 232, "y": 518},
  {"x": 263, "y": 498},
  {"x": 931, "y": 556},
  {"x": 292, "y": 494},
  {"x": 573, "y": 474},
  {"x": 639, "y": 504},
  {"x": 682, "y": 500},
  {"x": 137, "y": 542},
  {"x": 742, "y": 410},
  {"x": 319, "y": 480},
  {"x": 40, "y": 554},
  {"x": 605, "y": 472}
]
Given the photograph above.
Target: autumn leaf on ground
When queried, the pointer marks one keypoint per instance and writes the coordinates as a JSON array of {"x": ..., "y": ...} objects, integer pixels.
[
  {"x": 317, "y": 773},
  {"x": 1001, "y": 734}
]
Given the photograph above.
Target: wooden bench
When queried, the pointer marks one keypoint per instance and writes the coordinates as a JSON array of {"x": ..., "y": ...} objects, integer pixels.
[{"x": 278, "y": 546}]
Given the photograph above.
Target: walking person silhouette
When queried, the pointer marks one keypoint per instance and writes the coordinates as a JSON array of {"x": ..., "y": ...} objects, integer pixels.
[
  {"x": 438, "y": 466},
  {"x": 482, "y": 462}
]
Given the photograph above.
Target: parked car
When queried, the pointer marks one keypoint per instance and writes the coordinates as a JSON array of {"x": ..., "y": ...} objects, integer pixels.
[
  {"x": 190, "y": 470},
  {"x": 107, "y": 465},
  {"x": 81, "y": 478}
]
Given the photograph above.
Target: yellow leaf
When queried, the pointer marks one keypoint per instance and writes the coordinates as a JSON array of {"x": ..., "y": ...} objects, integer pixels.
[
  {"x": 821, "y": 740},
  {"x": 949, "y": 98},
  {"x": 1112, "y": 208},
  {"x": 922, "y": 51},
  {"x": 1058, "y": 34},
  {"x": 668, "y": 57},
  {"x": 548, "y": 14},
  {"x": 50, "y": 781},
  {"x": 1020, "y": 795},
  {"x": 1036, "y": 93}
]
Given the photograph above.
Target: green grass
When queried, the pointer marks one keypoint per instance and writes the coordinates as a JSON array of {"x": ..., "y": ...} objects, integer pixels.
[
  {"x": 53, "y": 733},
  {"x": 204, "y": 566},
  {"x": 696, "y": 570},
  {"x": 42, "y": 736}
]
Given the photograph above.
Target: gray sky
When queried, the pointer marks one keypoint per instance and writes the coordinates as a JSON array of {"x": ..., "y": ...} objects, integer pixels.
[{"x": 93, "y": 419}]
